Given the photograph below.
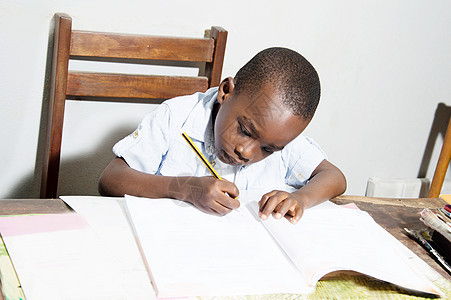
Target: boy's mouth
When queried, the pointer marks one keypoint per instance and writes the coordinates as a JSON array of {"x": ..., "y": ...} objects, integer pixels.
[{"x": 225, "y": 157}]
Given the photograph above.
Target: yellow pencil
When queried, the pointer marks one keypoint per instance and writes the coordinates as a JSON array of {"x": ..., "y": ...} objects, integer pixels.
[{"x": 201, "y": 156}]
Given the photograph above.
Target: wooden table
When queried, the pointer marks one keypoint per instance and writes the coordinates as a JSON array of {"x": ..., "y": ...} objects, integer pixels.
[{"x": 392, "y": 214}]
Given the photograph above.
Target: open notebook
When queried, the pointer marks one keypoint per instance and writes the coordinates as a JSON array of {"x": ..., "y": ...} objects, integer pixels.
[{"x": 190, "y": 253}]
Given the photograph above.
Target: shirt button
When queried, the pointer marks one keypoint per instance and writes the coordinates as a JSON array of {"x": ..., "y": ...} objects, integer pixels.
[{"x": 135, "y": 134}]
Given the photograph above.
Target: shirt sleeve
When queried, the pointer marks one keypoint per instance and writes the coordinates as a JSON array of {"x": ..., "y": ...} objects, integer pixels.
[
  {"x": 302, "y": 157},
  {"x": 145, "y": 148}
]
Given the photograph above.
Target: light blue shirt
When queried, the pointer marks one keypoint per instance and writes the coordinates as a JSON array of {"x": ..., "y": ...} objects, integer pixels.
[{"x": 157, "y": 147}]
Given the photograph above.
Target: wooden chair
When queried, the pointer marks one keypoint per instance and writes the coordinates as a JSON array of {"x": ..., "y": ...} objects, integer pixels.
[
  {"x": 442, "y": 165},
  {"x": 121, "y": 48}
]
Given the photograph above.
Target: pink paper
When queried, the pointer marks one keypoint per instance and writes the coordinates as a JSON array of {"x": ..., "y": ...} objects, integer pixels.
[
  {"x": 19, "y": 225},
  {"x": 350, "y": 205}
]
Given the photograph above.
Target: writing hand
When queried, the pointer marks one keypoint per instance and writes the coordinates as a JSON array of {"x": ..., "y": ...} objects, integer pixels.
[
  {"x": 281, "y": 204},
  {"x": 211, "y": 195}
]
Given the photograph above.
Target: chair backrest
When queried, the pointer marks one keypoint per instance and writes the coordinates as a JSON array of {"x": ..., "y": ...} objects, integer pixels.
[
  {"x": 122, "y": 48},
  {"x": 442, "y": 165}
]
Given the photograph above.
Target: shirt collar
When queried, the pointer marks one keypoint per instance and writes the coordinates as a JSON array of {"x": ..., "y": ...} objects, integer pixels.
[{"x": 199, "y": 125}]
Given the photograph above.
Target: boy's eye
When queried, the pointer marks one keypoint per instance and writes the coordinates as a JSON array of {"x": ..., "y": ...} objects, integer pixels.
[
  {"x": 244, "y": 130},
  {"x": 267, "y": 150}
]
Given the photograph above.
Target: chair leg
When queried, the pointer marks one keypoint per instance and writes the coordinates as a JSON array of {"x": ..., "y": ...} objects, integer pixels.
[{"x": 442, "y": 165}]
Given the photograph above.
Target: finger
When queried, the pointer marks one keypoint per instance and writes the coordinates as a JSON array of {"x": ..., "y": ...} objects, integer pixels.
[
  {"x": 264, "y": 199},
  {"x": 227, "y": 201},
  {"x": 297, "y": 215},
  {"x": 277, "y": 208},
  {"x": 213, "y": 212},
  {"x": 206, "y": 207},
  {"x": 219, "y": 209},
  {"x": 211, "y": 206},
  {"x": 291, "y": 212},
  {"x": 271, "y": 204},
  {"x": 230, "y": 188},
  {"x": 284, "y": 207}
]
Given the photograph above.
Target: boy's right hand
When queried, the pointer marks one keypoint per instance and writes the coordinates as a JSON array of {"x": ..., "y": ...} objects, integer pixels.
[{"x": 210, "y": 195}]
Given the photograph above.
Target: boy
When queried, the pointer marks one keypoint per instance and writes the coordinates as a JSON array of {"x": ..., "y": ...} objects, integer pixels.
[{"x": 249, "y": 128}]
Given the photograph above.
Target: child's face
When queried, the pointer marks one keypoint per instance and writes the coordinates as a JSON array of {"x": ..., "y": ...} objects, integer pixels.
[{"x": 249, "y": 128}]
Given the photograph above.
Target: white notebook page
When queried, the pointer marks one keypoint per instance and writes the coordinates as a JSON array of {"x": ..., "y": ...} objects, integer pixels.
[{"x": 192, "y": 253}]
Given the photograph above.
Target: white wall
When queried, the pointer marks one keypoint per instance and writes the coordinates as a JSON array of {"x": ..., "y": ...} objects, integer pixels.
[{"x": 384, "y": 67}]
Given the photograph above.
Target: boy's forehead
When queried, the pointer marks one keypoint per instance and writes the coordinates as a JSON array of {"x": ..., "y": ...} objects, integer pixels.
[{"x": 265, "y": 104}]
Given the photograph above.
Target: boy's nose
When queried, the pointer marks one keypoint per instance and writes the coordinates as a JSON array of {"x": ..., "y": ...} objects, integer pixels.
[{"x": 246, "y": 152}]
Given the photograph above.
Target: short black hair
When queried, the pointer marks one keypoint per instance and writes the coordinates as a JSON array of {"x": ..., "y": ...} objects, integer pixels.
[{"x": 293, "y": 77}]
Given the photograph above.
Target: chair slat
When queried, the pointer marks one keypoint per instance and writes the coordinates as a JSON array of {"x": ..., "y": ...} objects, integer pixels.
[
  {"x": 132, "y": 86},
  {"x": 112, "y": 45}
]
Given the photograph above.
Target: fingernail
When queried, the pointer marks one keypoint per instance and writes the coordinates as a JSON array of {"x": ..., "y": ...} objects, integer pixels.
[
  {"x": 277, "y": 216},
  {"x": 263, "y": 217}
]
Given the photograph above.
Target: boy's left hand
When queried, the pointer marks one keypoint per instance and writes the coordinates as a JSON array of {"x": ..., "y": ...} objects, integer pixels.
[{"x": 281, "y": 204}]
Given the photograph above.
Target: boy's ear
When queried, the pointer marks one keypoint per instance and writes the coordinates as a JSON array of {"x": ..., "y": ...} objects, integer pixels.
[{"x": 225, "y": 89}]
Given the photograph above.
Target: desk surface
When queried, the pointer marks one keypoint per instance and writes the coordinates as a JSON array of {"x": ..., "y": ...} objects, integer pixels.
[{"x": 392, "y": 214}]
